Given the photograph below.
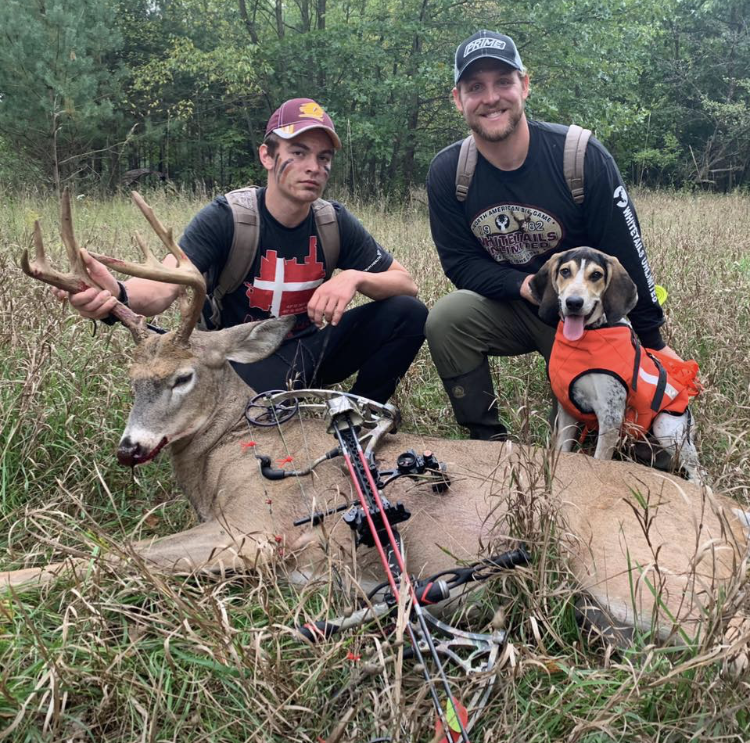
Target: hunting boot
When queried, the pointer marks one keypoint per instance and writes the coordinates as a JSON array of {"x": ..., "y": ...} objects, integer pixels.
[{"x": 473, "y": 399}]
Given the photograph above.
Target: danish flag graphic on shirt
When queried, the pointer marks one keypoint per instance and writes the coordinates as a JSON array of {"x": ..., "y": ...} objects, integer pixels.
[{"x": 284, "y": 286}]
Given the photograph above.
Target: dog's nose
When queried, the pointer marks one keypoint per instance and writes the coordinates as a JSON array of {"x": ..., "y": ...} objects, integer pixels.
[{"x": 574, "y": 304}]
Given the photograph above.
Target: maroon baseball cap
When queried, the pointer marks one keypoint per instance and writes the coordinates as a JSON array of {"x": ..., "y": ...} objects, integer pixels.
[{"x": 298, "y": 115}]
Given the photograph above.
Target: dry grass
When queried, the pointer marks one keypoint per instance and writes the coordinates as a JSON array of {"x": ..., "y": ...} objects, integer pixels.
[{"x": 123, "y": 654}]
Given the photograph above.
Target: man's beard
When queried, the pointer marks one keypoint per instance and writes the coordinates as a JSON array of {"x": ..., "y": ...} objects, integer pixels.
[{"x": 497, "y": 135}]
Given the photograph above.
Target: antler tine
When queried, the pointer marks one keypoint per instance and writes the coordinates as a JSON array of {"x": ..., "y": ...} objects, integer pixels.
[
  {"x": 41, "y": 270},
  {"x": 71, "y": 244},
  {"x": 77, "y": 279},
  {"x": 184, "y": 273},
  {"x": 165, "y": 235}
]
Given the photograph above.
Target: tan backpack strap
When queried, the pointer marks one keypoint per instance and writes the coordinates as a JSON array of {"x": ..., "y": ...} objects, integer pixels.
[
  {"x": 328, "y": 232},
  {"x": 244, "y": 204},
  {"x": 467, "y": 163},
  {"x": 573, "y": 156}
]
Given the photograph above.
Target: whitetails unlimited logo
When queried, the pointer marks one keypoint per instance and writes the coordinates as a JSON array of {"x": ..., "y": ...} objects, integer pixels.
[{"x": 516, "y": 234}]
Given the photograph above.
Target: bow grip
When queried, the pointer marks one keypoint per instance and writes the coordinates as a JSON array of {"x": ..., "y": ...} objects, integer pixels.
[{"x": 269, "y": 472}]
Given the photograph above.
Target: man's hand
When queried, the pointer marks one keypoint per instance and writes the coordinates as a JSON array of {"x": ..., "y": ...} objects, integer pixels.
[
  {"x": 667, "y": 351},
  {"x": 93, "y": 303},
  {"x": 332, "y": 297},
  {"x": 526, "y": 290}
]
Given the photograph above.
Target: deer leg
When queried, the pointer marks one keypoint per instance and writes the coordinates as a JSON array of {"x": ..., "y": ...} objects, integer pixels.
[
  {"x": 209, "y": 547},
  {"x": 29, "y": 577},
  {"x": 212, "y": 546}
]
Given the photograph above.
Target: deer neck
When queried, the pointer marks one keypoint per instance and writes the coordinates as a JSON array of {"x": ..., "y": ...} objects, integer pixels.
[{"x": 192, "y": 457}]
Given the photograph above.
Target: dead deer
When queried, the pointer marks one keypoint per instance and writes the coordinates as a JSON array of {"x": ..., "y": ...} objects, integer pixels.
[{"x": 649, "y": 550}]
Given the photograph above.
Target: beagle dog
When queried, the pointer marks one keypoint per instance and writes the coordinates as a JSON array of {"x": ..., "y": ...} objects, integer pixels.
[{"x": 599, "y": 372}]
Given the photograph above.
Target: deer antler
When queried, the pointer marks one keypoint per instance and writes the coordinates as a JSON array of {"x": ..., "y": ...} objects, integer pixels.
[
  {"x": 78, "y": 279},
  {"x": 184, "y": 273}
]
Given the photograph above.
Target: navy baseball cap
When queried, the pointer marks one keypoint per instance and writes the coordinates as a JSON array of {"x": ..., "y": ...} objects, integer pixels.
[{"x": 485, "y": 44}]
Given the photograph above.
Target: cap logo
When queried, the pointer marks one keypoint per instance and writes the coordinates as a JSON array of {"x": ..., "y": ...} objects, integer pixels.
[
  {"x": 311, "y": 110},
  {"x": 483, "y": 44}
]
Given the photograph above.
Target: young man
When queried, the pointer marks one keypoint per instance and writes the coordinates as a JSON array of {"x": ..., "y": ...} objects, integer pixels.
[
  {"x": 519, "y": 211},
  {"x": 329, "y": 342}
]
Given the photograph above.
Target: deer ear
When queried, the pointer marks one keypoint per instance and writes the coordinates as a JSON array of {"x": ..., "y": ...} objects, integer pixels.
[
  {"x": 621, "y": 293},
  {"x": 544, "y": 290},
  {"x": 255, "y": 341}
]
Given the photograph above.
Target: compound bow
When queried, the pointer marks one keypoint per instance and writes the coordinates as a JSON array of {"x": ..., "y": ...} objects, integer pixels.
[{"x": 373, "y": 519}]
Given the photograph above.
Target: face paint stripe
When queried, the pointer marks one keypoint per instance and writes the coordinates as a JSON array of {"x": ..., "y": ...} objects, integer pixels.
[{"x": 283, "y": 167}]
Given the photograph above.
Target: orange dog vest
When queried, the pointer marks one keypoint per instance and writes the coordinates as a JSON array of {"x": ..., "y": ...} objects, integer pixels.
[{"x": 616, "y": 351}]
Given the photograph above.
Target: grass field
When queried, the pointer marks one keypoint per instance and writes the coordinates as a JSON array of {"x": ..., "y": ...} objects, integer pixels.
[{"x": 129, "y": 655}]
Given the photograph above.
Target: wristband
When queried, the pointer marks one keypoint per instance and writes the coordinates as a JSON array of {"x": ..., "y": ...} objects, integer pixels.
[{"x": 123, "y": 299}]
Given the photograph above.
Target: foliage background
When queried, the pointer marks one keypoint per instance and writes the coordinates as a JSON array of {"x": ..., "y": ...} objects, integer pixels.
[{"x": 92, "y": 89}]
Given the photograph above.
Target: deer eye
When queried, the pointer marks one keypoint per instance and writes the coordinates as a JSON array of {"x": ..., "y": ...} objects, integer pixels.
[{"x": 182, "y": 380}]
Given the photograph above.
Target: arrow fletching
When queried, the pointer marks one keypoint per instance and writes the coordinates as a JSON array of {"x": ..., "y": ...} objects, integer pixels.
[{"x": 454, "y": 711}]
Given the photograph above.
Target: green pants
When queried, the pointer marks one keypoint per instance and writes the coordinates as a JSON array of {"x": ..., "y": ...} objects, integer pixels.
[{"x": 463, "y": 328}]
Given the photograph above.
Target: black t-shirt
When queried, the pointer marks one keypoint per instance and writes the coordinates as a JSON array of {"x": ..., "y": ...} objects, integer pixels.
[
  {"x": 289, "y": 265},
  {"x": 513, "y": 221}
]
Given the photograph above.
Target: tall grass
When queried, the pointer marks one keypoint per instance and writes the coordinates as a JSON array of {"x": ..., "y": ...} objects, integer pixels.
[{"x": 124, "y": 654}]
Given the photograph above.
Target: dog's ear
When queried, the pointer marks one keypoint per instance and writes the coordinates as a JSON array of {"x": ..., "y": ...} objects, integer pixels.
[
  {"x": 544, "y": 290},
  {"x": 621, "y": 294}
]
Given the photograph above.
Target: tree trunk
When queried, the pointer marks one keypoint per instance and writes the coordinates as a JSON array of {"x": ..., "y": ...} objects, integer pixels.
[
  {"x": 321, "y": 15},
  {"x": 248, "y": 20},
  {"x": 114, "y": 169},
  {"x": 279, "y": 12},
  {"x": 304, "y": 14},
  {"x": 413, "y": 116}
]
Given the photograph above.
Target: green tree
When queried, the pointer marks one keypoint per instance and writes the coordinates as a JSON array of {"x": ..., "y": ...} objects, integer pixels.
[
  {"x": 189, "y": 84},
  {"x": 193, "y": 89},
  {"x": 59, "y": 83},
  {"x": 698, "y": 88}
]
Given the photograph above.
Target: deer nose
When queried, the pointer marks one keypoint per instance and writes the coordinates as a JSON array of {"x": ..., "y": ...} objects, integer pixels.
[
  {"x": 574, "y": 304},
  {"x": 129, "y": 453}
]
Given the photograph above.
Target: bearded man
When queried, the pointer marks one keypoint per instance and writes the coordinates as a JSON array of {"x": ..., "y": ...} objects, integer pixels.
[{"x": 496, "y": 228}]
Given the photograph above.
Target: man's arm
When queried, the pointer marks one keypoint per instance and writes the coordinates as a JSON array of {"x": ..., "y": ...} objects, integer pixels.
[
  {"x": 393, "y": 282},
  {"x": 206, "y": 242},
  {"x": 364, "y": 267},
  {"x": 465, "y": 262},
  {"x": 613, "y": 227},
  {"x": 333, "y": 296},
  {"x": 145, "y": 297}
]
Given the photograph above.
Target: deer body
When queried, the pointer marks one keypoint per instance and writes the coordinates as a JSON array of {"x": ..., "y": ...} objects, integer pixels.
[
  {"x": 692, "y": 544},
  {"x": 646, "y": 547}
]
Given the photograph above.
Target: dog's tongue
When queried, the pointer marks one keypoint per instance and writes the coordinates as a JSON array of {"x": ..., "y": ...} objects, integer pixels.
[{"x": 573, "y": 327}]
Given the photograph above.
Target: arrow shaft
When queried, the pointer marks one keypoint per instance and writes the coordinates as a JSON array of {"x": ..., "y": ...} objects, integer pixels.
[{"x": 396, "y": 551}]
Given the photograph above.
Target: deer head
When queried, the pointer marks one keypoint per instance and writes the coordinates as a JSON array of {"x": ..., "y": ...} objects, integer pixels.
[
  {"x": 178, "y": 390},
  {"x": 178, "y": 379}
]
